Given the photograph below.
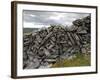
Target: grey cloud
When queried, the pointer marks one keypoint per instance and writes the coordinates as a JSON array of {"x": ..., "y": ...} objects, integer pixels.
[{"x": 43, "y": 17}]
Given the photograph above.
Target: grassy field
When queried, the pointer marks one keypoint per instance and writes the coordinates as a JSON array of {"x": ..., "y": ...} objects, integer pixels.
[
  {"x": 80, "y": 60},
  {"x": 28, "y": 31}
]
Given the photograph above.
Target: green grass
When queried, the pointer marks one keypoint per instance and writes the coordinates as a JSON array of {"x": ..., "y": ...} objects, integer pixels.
[
  {"x": 80, "y": 60},
  {"x": 27, "y": 33}
]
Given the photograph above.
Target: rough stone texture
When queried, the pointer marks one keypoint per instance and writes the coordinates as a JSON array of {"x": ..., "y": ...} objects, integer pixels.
[{"x": 42, "y": 48}]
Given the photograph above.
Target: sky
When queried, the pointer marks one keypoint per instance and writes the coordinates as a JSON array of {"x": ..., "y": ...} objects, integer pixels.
[{"x": 39, "y": 19}]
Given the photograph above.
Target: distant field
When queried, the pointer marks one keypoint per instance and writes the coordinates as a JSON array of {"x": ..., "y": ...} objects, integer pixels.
[{"x": 28, "y": 30}]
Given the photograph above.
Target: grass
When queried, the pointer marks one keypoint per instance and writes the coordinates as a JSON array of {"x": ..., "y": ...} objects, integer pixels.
[
  {"x": 27, "y": 33},
  {"x": 80, "y": 60}
]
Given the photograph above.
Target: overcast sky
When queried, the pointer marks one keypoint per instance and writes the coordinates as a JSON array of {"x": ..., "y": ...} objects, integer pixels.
[{"x": 37, "y": 19}]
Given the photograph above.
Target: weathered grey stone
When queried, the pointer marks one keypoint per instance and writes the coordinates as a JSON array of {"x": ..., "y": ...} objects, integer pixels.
[{"x": 45, "y": 46}]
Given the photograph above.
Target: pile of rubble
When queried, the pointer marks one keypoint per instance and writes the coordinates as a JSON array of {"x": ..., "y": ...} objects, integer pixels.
[{"x": 44, "y": 47}]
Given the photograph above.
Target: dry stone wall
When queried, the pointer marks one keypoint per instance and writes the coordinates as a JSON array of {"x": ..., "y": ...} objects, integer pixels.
[{"x": 44, "y": 47}]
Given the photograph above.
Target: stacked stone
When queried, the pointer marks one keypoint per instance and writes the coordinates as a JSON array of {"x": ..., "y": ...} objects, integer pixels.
[{"x": 46, "y": 46}]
